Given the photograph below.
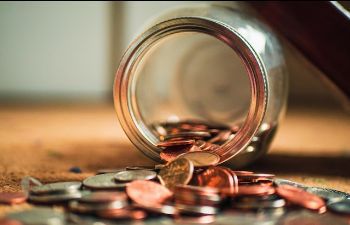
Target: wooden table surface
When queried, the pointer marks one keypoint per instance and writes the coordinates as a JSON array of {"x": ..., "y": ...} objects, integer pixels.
[{"x": 312, "y": 146}]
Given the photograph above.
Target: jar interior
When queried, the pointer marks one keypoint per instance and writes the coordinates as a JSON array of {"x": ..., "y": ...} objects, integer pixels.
[{"x": 190, "y": 76}]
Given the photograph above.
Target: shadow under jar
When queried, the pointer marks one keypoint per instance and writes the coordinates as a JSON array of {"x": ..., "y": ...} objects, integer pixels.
[{"x": 206, "y": 66}]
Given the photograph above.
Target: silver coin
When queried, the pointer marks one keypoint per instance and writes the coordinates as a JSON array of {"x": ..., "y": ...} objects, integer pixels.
[
  {"x": 279, "y": 182},
  {"x": 131, "y": 175},
  {"x": 53, "y": 198},
  {"x": 39, "y": 216},
  {"x": 59, "y": 187},
  {"x": 206, "y": 210},
  {"x": 342, "y": 206},
  {"x": 330, "y": 195},
  {"x": 103, "y": 181},
  {"x": 254, "y": 202},
  {"x": 28, "y": 183}
]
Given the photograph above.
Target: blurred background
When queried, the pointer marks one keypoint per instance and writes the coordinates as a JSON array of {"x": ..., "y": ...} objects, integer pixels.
[{"x": 69, "y": 52}]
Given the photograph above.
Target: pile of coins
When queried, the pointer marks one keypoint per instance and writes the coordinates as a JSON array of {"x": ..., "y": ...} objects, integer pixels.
[
  {"x": 178, "y": 190},
  {"x": 188, "y": 187}
]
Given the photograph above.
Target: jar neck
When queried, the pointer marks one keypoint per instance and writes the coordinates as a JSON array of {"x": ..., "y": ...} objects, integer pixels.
[{"x": 124, "y": 87}]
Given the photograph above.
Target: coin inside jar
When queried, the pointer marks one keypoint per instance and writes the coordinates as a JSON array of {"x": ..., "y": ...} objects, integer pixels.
[
  {"x": 130, "y": 175},
  {"x": 202, "y": 159}
]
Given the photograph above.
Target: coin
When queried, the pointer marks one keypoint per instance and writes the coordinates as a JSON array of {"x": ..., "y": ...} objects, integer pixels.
[
  {"x": 330, "y": 195},
  {"x": 83, "y": 207},
  {"x": 253, "y": 202},
  {"x": 130, "y": 175},
  {"x": 256, "y": 190},
  {"x": 102, "y": 171},
  {"x": 279, "y": 181},
  {"x": 104, "y": 196},
  {"x": 342, "y": 206},
  {"x": 300, "y": 197},
  {"x": 140, "y": 168},
  {"x": 38, "y": 216},
  {"x": 217, "y": 177},
  {"x": 28, "y": 182},
  {"x": 53, "y": 198},
  {"x": 203, "y": 219},
  {"x": 10, "y": 222},
  {"x": 195, "y": 195},
  {"x": 103, "y": 181},
  {"x": 188, "y": 134},
  {"x": 123, "y": 214},
  {"x": 206, "y": 210},
  {"x": 170, "y": 153},
  {"x": 147, "y": 193},
  {"x": 12, "y": 197},
  {"x": 176, "y": 172},
  {"x": 171, "y": 143},
  {"x": 58, "y": 187},
  {"x": 159, "y": 209},
  {"x": 201, "y": 159}
]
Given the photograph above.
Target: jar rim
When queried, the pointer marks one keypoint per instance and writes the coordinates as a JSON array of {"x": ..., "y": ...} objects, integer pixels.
[{"x": 131, "y": 121}]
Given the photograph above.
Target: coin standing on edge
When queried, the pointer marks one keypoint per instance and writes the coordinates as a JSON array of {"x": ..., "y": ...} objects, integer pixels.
[{"x": 177, "y": 172}]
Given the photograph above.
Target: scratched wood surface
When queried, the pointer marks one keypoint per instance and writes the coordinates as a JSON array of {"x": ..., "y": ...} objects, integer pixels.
[{"x": 312, "y": 146}]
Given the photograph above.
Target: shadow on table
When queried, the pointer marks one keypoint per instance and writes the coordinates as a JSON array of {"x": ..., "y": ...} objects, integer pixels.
[{"x": 305, "y": 165}]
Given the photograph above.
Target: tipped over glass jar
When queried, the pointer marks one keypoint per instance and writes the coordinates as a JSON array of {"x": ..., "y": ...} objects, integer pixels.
[{"x": 206, "y": 74}]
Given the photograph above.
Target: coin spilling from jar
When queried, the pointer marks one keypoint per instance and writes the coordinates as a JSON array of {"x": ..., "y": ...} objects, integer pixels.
[{"x": 188, "y": 188}]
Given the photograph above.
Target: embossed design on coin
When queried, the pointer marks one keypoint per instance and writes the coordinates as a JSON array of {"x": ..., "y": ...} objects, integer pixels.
[
  {"x": 176, "y": 172},
  {"x": 131, "y": 175},
  {"x": 201, "y": 159}
]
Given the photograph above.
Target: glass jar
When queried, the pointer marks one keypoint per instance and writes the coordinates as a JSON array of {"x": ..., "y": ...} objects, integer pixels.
[{"x": 207, "y": 63}]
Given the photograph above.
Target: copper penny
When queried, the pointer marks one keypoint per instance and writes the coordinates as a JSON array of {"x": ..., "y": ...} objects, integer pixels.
[
  {"x": 147, "y": 193},
  {"x": 217, "y": 177},
  {"x": 188, "y": 134},
  {"x": 201, "y": 158},
  {"x": 123, "y": 214},
  {"x": 300, "y": 197},
  {"x": 254, "y": 177},
  {"x": 171, "y": 143},
  {"x": 12, "y": 197},
  {"x": 104, "y": 196},
  {"x": 256, "y": 190},
  {"x": 170, "y": 153},
  {"x": 177, "y": 172},
  {"x": 9, "y": 222}
]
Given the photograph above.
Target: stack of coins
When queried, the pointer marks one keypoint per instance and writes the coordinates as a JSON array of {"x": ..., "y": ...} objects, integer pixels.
[
  {"x": 55, "y": 192},
  {"x": 189, "y": 184},
  {"x": 99, "y": 202}
]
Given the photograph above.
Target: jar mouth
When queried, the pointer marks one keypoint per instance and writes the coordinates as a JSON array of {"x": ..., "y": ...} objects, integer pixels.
[{"x": 124, "y": 88}]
